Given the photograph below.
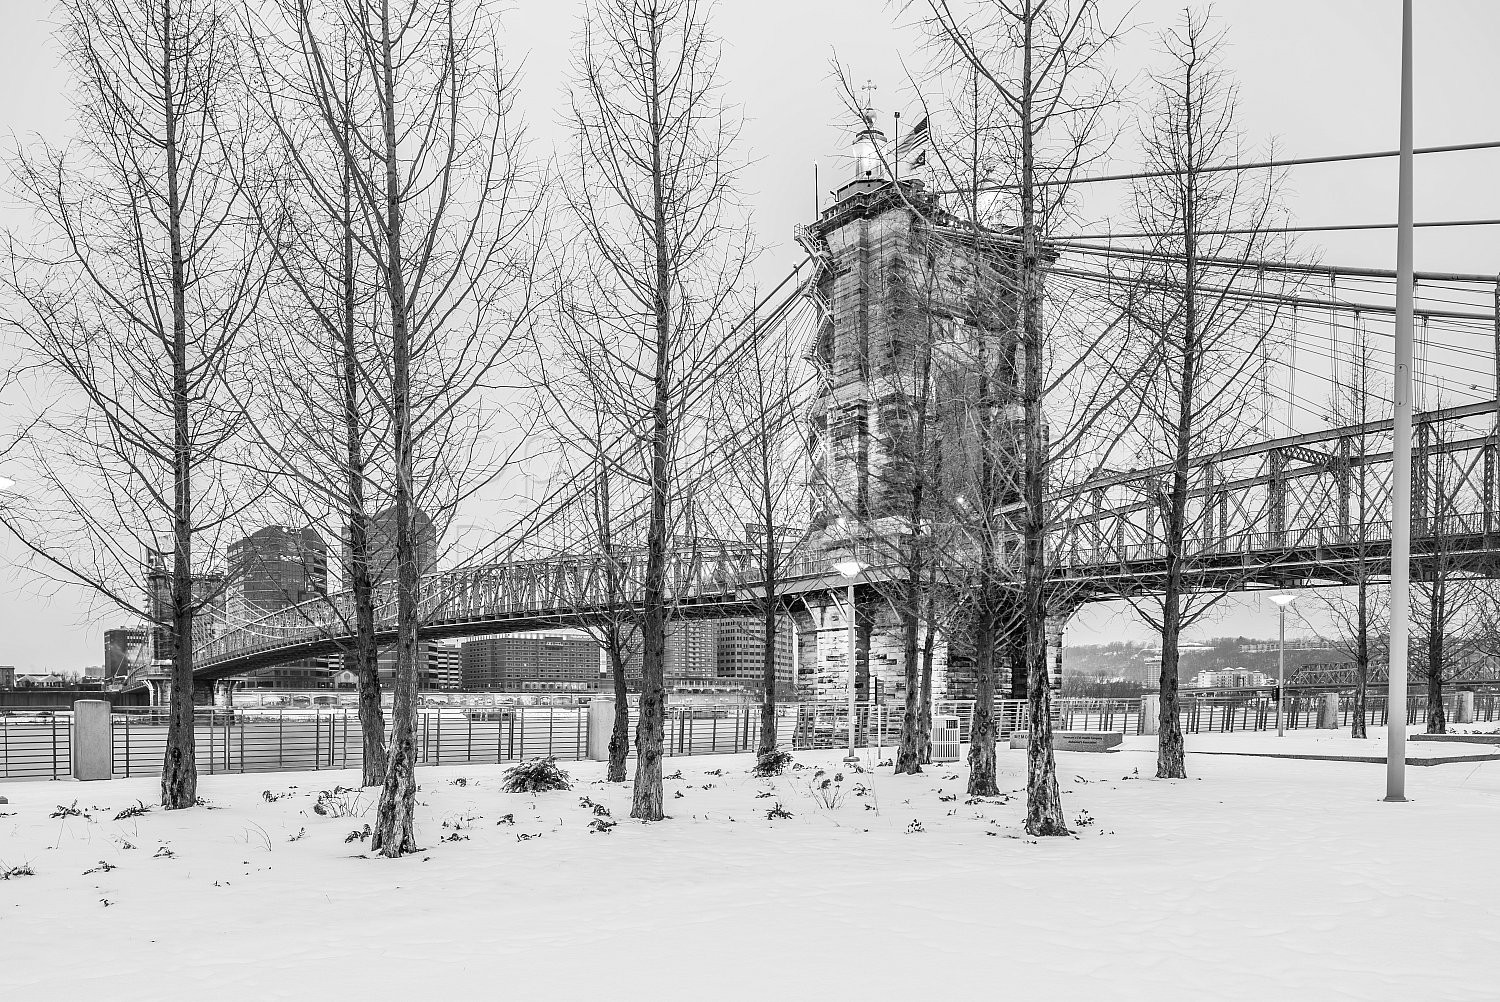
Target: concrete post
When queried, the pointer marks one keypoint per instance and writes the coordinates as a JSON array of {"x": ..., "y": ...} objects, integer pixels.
[
  {"x": 1150, "y": 714},
  {"x": 1463, "y": 707},
  {"x": 1328, "y": 711},
  {"x": 601, "y": 726},
  {"x": 92, "y": 745}
]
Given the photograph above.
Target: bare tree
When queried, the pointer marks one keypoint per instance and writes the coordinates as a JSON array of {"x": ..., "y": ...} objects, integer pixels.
[
  {"x": 1041, "y": 62},
  {"x": 1202, "y": 333},
  {"x": 448, "y": 208},
  {"x": 1357, "y": 401},
  {"x": 762, "y": 484},
  {"x": 651, "y": 191},
  {"x": 1448, "y": 604},
  {"x": 605, "y": 517},
  {"x": 133, "y": 295},
  {"x": 319, "y": 413}
]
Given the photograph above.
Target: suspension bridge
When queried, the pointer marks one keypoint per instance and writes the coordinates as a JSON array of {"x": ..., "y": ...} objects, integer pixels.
[{"x": 1285, "y": 506}]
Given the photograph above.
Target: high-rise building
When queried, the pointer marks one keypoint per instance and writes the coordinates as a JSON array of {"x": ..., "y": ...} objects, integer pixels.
[
  {"x": 383, "y": 572},
  {"x": 691, "y": 659},
  {"x": 382, "y": 546},
  {"x": 740, "y": 650},
  {"x": 272, "y": 569},
  {"x": 207, "y": 595},
  {"x": 125, "y": 649},
  {"x": 445, "y": 665},
  {"x": 544, "y": 661}
]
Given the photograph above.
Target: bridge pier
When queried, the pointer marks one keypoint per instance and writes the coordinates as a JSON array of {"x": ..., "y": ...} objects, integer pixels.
[
  {"x": 880, "y": 661},
  {"x": 1463, "y": 707}
]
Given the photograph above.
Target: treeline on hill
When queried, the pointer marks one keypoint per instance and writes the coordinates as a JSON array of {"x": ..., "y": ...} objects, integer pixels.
[{"x": 1124, "y": 668}]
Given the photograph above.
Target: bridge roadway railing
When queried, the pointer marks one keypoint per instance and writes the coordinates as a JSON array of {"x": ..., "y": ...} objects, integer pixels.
[
  {"x": 524, "y": 589},
  {"x": 36, "y": 744}
]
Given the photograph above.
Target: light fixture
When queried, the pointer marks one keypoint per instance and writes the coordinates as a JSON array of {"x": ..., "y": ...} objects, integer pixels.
[{"x": 1283, "y": 600}]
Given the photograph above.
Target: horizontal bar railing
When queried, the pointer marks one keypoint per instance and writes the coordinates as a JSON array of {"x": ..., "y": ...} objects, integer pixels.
[{"x": 36, "y": 744}]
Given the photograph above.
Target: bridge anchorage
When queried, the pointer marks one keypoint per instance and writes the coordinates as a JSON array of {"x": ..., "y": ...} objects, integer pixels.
[{"x": 899, "y": 303}]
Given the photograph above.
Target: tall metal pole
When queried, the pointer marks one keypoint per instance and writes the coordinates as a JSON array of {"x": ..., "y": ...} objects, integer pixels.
[
  {"x": 1281, "y": 672},
  {"x": 853, "y": 671},
  {"x": 1395, "y": 755}
]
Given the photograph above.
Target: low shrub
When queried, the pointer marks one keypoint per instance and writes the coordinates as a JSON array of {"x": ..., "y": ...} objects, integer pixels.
[
  {"x": 536, "y": 775},
  {"x": 771, "y": 763}
]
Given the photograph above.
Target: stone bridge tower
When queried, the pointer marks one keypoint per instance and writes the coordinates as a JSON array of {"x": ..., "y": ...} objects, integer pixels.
[{"x": 907, "y": 302}]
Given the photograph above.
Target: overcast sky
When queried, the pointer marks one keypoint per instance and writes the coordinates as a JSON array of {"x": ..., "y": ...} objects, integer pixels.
[{"x": 1318, "y": 76}]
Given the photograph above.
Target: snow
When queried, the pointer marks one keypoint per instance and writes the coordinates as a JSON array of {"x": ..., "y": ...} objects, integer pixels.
[{"x": 1256, "y": 879}]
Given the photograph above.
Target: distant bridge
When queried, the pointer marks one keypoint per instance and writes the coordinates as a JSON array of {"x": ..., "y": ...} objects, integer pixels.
[{"x": 1272, "y": 515}]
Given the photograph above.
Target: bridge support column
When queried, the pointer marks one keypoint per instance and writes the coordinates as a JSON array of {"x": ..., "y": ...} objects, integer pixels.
[
  {"x": 1150, "y": 714},
  {"x": 1463, "y": 707},
  {"x": 1328, "y": 711},
  {"x": 601, "y": 727},
  {"x": 93, "y": 744}
]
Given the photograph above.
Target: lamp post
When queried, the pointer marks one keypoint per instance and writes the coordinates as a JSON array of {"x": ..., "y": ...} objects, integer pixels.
[
  {"x": 1395, "y": 753},
  {"x": 850, "y": 569},
  {"x": 1282, "y": 601}
]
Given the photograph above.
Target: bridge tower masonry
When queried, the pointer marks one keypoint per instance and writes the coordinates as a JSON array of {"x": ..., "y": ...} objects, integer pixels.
[{"x": 896, "y": 291}]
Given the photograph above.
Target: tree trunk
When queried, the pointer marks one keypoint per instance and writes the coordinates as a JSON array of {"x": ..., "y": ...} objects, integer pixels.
[
  {"x": 982, "y": 730},
  {"x": 646, "y": 804},
  {"x": 909, "y": 751},
  {"x": 179, "y": 772},
  {"x": 929, "y": 645},
  {"x": 394, "y": 831},
  {"x": 1361, "y": 657},
  {"x": 365, "y": 655},
  {"x": 1044, "y": 813},
  {"x": 770, "y": 566},
  {"x": 767, "y": 743},
  {"x": 1170, "y": 756},
  {"x": 1437, "y": 719},
  {"x": 619, "y": 737}
]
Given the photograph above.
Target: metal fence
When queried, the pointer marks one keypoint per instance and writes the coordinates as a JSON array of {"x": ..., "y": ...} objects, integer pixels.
[
  {"x": 237, "y": 740},
  {"x": 38, "y": 743}
]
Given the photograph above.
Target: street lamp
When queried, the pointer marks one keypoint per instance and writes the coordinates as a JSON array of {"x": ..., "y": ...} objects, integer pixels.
[
  {"x": 850, "y": 569},
  {"x": 1282, "y": 601}
]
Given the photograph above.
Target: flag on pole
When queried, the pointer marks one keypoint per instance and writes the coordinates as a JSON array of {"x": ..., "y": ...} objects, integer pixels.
[{"x": 912, "y": 150}]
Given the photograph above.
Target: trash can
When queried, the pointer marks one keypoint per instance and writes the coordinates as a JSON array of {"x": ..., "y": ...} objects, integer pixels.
[{"x": 945, "y": 738}]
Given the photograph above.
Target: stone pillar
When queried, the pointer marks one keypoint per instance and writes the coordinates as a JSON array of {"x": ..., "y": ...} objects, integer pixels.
[
  {"x": 93, "y": 749},
  {"x": 1463, "y": 707},
  {"x": 1150, "y": 714},
  {"x": 1328, "y": 711},
  {"x": 601, "y": 727}
]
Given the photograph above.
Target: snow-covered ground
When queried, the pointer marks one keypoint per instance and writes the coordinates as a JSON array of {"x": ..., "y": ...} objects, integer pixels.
[{"x": 1256, "y": 879}]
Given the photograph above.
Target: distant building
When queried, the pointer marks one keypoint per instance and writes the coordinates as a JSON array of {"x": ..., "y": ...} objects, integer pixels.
[
  {"x": 445, "y": 665},
  {"x": 207, "y": 594},
  {"x": 125, "y": 649},
  {"x": 548, "y": 661},
  {"x": 7, "y": 676},
  {"x": 691, "y": 659},
  {"x": 382, "y": 550},
  {"x": 740, "y": 646},
  {"x": 383, "y": 574},
  {"x": 1233, "y": 678},
  {"x": 270, "y": 570}
]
